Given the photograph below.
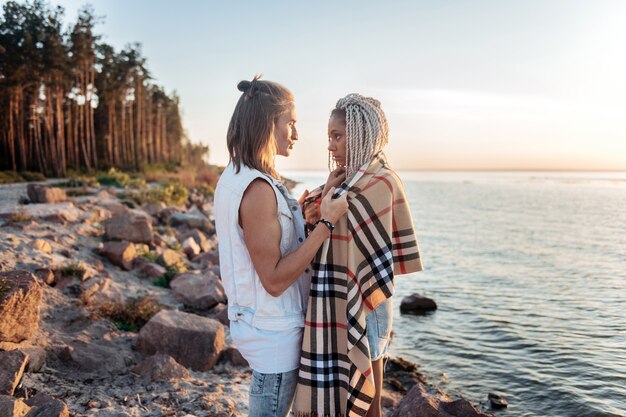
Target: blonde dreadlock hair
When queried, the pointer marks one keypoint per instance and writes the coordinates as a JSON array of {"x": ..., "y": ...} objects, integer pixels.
[{"x": 367, "y": 131}]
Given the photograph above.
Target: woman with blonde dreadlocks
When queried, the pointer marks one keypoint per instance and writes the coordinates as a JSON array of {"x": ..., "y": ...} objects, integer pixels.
[{"x": 349, "y": 314}]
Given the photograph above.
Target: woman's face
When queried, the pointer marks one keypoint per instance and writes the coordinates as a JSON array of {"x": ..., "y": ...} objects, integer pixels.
[
  {"x": 285, "y": 131},
  {"x": 337, "y": 139}
]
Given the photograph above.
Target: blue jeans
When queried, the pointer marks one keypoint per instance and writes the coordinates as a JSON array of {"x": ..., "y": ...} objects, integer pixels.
[
  {"x": 378, "y": 328},
  {"x": 271, "y": 395}
]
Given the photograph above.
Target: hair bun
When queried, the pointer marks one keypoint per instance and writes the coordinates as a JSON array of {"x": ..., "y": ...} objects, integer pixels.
[{"x": 244, "y": 86}]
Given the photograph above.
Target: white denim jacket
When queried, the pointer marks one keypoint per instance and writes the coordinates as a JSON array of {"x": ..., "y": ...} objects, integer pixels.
[{"x": 247, "y": 299}]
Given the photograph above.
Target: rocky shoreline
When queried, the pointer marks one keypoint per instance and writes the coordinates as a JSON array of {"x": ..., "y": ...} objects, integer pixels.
[{"x": 109, "y": 308}]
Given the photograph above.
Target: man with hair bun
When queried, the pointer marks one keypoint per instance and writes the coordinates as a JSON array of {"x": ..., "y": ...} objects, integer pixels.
[{"x": 264, "y": 254}]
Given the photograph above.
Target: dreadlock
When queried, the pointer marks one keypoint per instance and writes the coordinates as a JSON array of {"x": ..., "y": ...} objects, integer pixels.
[{"x": 367, "y": 131}]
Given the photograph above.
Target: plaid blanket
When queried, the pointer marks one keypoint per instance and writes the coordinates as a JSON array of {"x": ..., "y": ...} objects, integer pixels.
[{"x": 353, "y": 274}]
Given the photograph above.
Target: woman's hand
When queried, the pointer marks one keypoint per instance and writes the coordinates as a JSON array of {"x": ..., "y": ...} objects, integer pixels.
[
  {"x": 312, "y": 212},
  {"x": 335, "y": 178},
  {"x": 333, "y": 210}
]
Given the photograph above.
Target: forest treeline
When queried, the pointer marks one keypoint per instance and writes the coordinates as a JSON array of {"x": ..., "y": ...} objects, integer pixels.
[{"x": 69, "y": 101}]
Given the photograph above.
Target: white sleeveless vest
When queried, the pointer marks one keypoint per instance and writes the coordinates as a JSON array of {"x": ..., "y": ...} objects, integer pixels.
[{"x": 247, "y": 299}]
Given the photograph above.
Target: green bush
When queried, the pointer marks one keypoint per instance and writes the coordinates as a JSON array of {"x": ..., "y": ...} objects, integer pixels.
[
  {"x": 114, "y": 178},
  {"x": 173, "y": 193},
  {"x": 206, "y": 190}
]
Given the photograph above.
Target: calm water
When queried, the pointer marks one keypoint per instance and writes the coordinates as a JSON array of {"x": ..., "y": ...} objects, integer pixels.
[{"x": 529, "y": 272}]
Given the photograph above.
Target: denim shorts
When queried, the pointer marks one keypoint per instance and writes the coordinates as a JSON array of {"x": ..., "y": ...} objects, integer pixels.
[
  {"x": 271, "y": 395},
  {"x": 378, "y": 329}
]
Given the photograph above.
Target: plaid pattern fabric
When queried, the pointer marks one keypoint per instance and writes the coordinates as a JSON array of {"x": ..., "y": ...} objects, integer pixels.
[{"x": 353, "y": 274}]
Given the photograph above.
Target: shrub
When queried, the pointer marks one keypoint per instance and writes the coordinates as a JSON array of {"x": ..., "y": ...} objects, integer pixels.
[
  {"x": 4, "y": 287},
  {"x": 74, "y": 269},
  {"x": 131, "y": 315},
  {"x": 9, "y": 177},
  {"x": 33, "y": 176},
  {"x": 114, "y": 178},
  {"x": 206, "y": 190},
  {"x": 173, "y": 193}
]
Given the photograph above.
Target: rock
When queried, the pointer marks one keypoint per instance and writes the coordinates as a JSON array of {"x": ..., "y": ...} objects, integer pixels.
[
  {"x": 390, "y": 399},
  {"x": 39, "y": 399},
  {"x": 417, "y": 304},
  {"x": 199, "y": 238},
  {"x": 100, "y": 292},
  {"x": 220, "y": 313},
  {"x": 61, "y": 212},
  {"x": 432, "y": 402},
  {"x": 172, "y": 259},
  {"x": 232, "y": 355},
  {"x": 36, "y": 358},
  {"x": 13, "y": 365},
  {"x": 190, "y": 247},
  {"x": 152, "y": 270},
  {"x": 198, "y": 291},
  {"x": 114, "y": 206},
  {"x": 12, "y": 407},
  {"x": 497, "y": 400},
  {"x": 103, "y": 195},
  {"x": 47, "y": 407},
  {"x": 38, "y": 193},
  {"x": 20, "y": 301},
  {"x": 42, "y": 245},
  {"x": 46, "y": 275},
  {"x": 161, "y": 367},
  {"x": 153, "y": 209},
  {"x": 120, "y": 253},
  {"x": 193, "y": 219},
  {"x": 209, "y": 258},
  {"x": 131, "y": 226},
  {"x": 401, "y": 375},
  {"x": 94, "y": 358},
  {"x": 194, "y": 341}
]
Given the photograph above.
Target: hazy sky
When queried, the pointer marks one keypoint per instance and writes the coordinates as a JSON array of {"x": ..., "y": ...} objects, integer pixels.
[{"x": 465, "y": 84}]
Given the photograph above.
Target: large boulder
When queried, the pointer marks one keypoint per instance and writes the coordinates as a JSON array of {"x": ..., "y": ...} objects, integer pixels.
[
  {"x": 20, "y": 301},
  {"x": 194, "y": 341},
  {"x": 13, "y": 365},
  {"x": 432, "y": 402},
  {"x": 121, "y": 254},
  {"x": 38, "y": 193},
  {"x": 12, "y": 407},
  {"x": 201, "y": 291},
  {"x": 132, "y": 226},
  {"x": 417, "y": 304},
  {"x": 161, "y": 367}
]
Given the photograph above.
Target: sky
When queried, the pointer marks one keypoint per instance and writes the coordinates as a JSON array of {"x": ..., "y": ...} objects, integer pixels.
[{"x": 466, "y": 85}]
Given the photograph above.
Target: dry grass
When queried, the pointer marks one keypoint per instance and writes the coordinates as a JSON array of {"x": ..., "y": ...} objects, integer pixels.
[
  {"x": 4, "y": 287},
  {"x": 131, "y": 315},
  {"x": 74, "y": 269}
]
